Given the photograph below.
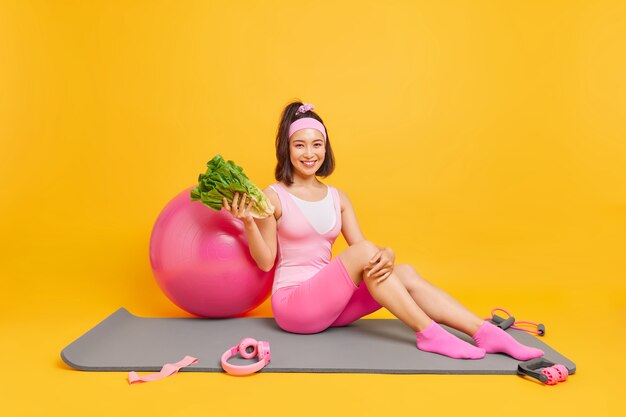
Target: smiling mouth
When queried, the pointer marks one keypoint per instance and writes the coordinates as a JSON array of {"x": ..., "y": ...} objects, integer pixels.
[{"x": 309, "y": 163}]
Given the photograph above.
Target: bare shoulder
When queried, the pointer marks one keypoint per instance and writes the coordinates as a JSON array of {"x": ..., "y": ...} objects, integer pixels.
[
  {"x": 273, "y": 197},
  {"x": 343, "y": 198}
]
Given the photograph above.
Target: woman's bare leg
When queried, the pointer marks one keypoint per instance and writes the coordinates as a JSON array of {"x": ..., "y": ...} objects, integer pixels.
[
  {"x": 435, "y": 302},
  {"x": 443, "y": 308},
  {"x": 393, "y": 295},
  {"x": 390, "y": 293}
]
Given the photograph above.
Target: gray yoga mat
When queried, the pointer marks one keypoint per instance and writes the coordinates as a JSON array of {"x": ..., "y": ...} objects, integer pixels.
[{"x": 124, "y": 342}]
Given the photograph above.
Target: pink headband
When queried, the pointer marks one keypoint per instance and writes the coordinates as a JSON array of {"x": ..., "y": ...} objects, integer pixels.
[{"x": 306, "y": 122}]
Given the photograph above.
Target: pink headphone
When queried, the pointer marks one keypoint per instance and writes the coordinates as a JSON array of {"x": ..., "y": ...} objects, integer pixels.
[{"x": 260, "y": 349}]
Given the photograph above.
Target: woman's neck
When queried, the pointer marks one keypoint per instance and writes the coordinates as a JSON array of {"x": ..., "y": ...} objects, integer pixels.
[{"x": 305, "y": 182}]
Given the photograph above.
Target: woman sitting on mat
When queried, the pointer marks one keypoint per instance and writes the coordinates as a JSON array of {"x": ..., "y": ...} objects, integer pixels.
[{"x": 311, "y": 292}]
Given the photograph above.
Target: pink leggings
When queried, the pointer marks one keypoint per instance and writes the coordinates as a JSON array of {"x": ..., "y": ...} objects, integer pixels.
[{"x": 328, "y": 299}]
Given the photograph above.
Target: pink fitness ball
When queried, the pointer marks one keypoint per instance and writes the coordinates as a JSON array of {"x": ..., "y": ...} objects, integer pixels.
[{"x": 200, "y": 260}]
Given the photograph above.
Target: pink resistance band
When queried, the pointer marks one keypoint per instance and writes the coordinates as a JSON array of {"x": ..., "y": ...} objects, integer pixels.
[
  {"x": 307, "y": 123},
  {"x": 167, "y": 370}
]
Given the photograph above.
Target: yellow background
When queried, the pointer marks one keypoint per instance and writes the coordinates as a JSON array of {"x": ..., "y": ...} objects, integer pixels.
[{"x": 484, "y": 141}]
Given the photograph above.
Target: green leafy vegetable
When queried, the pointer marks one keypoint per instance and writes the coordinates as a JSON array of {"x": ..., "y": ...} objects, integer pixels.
[{"x": 224, "y": 179}]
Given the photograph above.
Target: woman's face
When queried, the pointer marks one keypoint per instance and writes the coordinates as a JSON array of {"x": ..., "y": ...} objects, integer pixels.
[{"x": 307, "y": 150}]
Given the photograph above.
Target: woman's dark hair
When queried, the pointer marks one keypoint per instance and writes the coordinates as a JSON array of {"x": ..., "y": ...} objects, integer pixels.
[{"x": 284, "y": 171}]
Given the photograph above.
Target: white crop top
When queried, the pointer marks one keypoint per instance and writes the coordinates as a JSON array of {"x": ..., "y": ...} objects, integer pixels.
[{"x": 321, "y": 214}]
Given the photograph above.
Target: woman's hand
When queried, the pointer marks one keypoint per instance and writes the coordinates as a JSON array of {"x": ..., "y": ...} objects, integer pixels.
[
  {"x": 239, "y": 209},
  {"x": 381, "y": 265}
]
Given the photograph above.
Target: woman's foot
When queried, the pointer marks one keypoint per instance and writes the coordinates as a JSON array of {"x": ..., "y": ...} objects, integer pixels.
[
  {"x": 495, "y": 340},
  {"x": 436, "y": 339}
]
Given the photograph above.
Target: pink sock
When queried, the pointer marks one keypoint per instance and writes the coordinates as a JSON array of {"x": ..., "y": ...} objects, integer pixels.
[
  {"x": 435, "y": 338},
  {"x": 495, "y": 340}
]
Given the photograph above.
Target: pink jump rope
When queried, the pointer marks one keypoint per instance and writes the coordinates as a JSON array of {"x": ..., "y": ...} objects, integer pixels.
[
  {"x": 549, "y": 373},
  {"x": 510, "y": 322}
]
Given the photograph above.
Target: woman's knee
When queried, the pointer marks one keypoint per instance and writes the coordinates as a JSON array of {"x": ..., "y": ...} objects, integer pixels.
[
  {"x": 357, "y": 256},
  {"x": 363, "y": 251}
]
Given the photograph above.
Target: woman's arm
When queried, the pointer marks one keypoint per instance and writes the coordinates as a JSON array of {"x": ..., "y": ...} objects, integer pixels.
[
  {"x": 349, "y": 224},
  {"x": 384, "y": 259},
  {"x": 261, "y": 233},
  {"x": 262, "y": 241}
]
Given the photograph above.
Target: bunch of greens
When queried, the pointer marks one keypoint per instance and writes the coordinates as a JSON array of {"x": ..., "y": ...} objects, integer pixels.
[{"x": 224, "y": 179}]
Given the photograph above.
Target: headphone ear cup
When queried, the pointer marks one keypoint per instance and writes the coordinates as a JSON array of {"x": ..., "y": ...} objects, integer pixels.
[
  {"x": 263, "y": 349},
  {"x": 245, "y": 344}
]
